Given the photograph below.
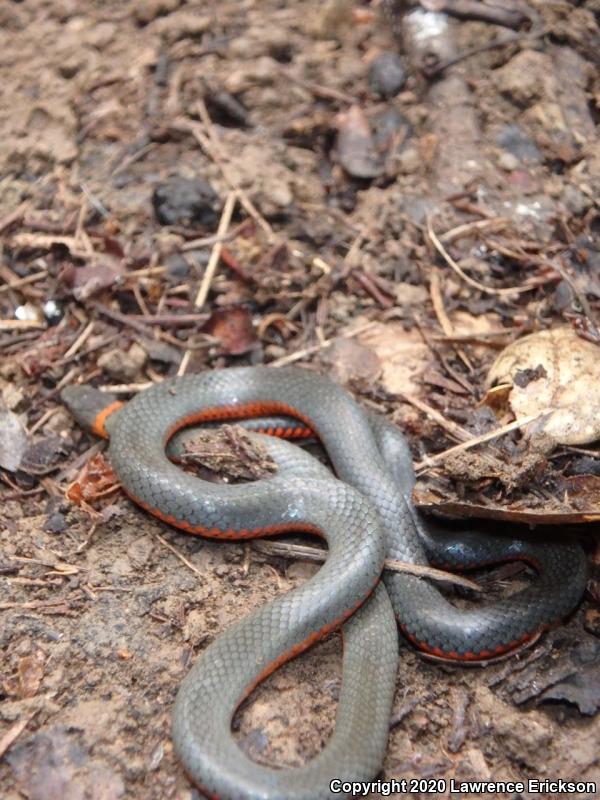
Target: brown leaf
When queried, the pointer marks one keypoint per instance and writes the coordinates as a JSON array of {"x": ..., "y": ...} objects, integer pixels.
[
  {"x": 578, "y": 503},
  {"x": 402, "y": 354},
  {"x": 233, "y": 328},
  {"x": 572, "y": 677},
  {"x": 96, "y": 480},
  {"x": 31, "y": 672},
  {"x": 351, "y": 360},
  {"x": 92, "y": 278}
]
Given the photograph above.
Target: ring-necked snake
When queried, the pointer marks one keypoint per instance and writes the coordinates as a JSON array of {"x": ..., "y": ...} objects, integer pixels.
[{"x": 364, "y": 515}]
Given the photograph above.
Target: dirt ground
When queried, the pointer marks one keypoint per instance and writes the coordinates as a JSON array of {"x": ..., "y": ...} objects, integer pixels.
[{"x": 364, "y": 208}]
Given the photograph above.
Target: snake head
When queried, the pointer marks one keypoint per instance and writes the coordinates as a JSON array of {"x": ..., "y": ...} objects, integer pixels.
[{"x": 91, "y": 408}]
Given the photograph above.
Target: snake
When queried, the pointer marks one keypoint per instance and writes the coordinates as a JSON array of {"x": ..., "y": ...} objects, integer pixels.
[{"x": 365, "y": 514}]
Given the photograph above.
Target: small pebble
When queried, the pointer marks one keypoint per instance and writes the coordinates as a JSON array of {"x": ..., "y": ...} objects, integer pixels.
[
  {"x": 518, "y": 142},
  {"x": 56, "y": 523},
  {"x": 183, "y": 201},
  {"x": 177, "y": 266},
  {"x": 123, "y": 365},
  {"x": 53, "y": 312},
  {"x": 147, "y": 10},
  {"x": 508, "y": 162},
  {"x": 387, "y": 75},
  {"x": 409, "y": 161}
]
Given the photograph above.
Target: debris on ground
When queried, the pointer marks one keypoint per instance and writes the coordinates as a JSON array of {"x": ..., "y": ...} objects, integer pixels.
[{"x": 397, "y": 195}]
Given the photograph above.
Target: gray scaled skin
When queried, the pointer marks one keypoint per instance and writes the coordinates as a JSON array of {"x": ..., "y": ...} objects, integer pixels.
[{"x": 363, "y": 515}]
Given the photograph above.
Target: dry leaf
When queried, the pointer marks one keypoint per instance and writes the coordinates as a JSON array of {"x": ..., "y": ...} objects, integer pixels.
[
  {"x": 403, "y": 355},
  {"x": 233, "y": 328},
  {"x": 95, "y": 481}
]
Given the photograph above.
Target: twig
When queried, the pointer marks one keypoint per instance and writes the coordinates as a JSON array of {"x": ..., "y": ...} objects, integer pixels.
[
  {"x": 369, "y": 285},
  {"x": 211, "y": 266},
  {"x": 13, "y": 733},
  {"x": 495, "y": 225},
  {"x": 429, "y": 461},
  {"x": 20, "y": 324},
  {"x": 307, "y": 351},
  {"x": 176, "y": 553},
  {"x": 137, "y": 156},
  {"x": 452, "y": 263},
  {"x": 494, "y": 13},
  {"x": 169, "y": 320},
  {"x": 453, "y": 429},
  {"x": 81, "y": 339},
  {"x": 583, "y": 301},
  {"x": 34, "y": 240},
  {"x": 43, "y": 420},
  {"x": 215, "y": 255},
  {"x": 14, "y": 216},
  {"x": 304, "y": 552},
  {"x": 214, "y": 152},
  {"x": 318, "y": 90},
  {"x": 146, "y": 272},
  {"x": 125, "y": 388},
  {"x": 37, "y": 276},
  {"x": 492, "y": 338},
  {"x": 440, "y": 312},
  {"x": 208, "y": 241}
]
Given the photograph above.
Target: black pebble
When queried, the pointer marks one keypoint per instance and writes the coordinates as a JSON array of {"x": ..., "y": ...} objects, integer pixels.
[
  {"x": 56, "y": 523},
  {"x": 181, "y": 201},
  {"x": 177, "y": 266},
  {"x": 387, "y": 75}
]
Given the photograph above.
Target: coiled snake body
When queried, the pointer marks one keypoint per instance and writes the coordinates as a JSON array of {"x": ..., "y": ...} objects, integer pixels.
[{"x": 364, "y": 515}]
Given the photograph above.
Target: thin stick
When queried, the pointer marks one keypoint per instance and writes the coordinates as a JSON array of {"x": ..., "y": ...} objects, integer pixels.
[
  {"x": 14, "y": 216},
  {"x": 20, "y": 324},
  {"x": 142, "y": 273},
  {"x": 307, "y": 553},
  {"x": 318, "y": 90},
  {"x": 211, "y": 267},
  {"x": 214, "y": 152},
  {"x": 440, "y": 312},
  {"x": 43, "y": 419},
  {"x": 81, "y": 339},
  {"x": 459, "y": 271},
  {"x": 215, "y": 255},
  {"x": 453, "y": 429},
  {"x": 176, "y": 553},
  {"x": 37, "y": 276},
  {"x": 307, "y": 351},
  {"x": 126, "y": 388},
  {"x": 495, "y": 224},
  {"x": 429, "y": 461},
  {"x": 13, "y": 733}
]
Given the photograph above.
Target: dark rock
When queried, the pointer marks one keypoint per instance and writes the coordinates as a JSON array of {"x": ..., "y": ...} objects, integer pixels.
[
  {"x": 177, "y": 266},
  {"x": 123, "y": 365},
  {"x": 513, "y": 139},
  {"x": 56, "y": 523},
  {"x": 387, "y": 75},
  {"x": 390, "y": 129},
  {"x": 53, "y": 312},
  {"x": 182, "y": 201}
]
